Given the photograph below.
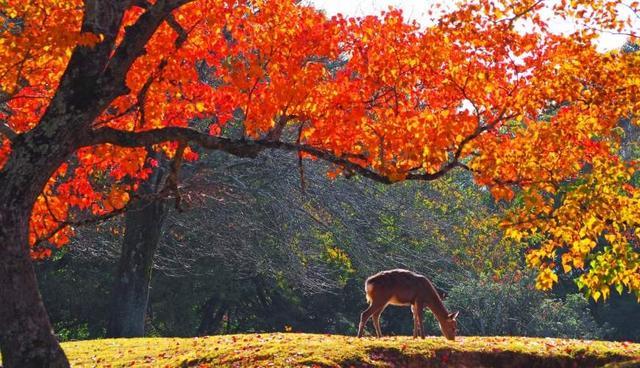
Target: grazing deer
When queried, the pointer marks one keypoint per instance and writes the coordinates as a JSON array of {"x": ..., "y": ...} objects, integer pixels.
[{"x": 402, "y": 287}]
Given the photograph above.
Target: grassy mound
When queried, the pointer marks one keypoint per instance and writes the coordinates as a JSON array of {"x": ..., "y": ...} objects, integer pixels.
[{"x": 289, "y": 349}]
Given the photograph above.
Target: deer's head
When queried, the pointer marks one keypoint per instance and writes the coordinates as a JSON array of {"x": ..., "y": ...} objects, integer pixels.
[{"x": 449, "y": 326}]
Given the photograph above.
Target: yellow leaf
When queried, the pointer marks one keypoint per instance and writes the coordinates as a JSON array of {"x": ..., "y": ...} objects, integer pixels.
[{"x": 566, "y": 260}]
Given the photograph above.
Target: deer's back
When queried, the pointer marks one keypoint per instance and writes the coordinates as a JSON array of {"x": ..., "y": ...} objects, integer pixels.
[{"x": 399, "y": 287}]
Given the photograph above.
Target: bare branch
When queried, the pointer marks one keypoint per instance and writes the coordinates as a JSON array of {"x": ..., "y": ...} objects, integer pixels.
[
  {"x": 98, "y": 218},
  {"x": 87, "y": 221}
]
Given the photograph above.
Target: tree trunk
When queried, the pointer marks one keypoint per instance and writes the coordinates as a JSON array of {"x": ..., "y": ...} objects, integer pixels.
[
  {"x": 212, "y": 314},
  {"x": 143, "y": 228},
  {"x": 26, "y": 336}
]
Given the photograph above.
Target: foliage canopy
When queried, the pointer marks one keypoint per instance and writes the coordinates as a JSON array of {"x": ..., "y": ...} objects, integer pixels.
[{"x": 533, "y": 115}]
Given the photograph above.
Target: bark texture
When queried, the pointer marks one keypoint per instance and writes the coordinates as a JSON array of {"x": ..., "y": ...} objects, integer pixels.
[
  {"x": 143, "y": 228},
  {"x": 26, "y": 336}
]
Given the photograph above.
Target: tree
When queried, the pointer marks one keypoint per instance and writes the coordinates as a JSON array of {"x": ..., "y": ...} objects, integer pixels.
[
  {"x": 86, "y": 86},
  {"x": 512, "y": 307},
  {"x": 143, "y": 229}
]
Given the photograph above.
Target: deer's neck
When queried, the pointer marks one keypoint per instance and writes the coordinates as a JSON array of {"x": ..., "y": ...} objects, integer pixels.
[{"x": 438, "y": 308}]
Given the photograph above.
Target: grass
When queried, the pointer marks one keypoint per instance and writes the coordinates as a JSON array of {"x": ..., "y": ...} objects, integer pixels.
[{"x": 312, "y": 350}]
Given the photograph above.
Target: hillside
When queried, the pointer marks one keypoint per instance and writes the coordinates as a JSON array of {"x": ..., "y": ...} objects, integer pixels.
[{"x": 290, "y": 349}]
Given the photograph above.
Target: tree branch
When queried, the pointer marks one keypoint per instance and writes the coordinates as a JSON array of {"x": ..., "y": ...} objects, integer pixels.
[
  {"x": 86, "y": 221},
  {"x": 182, "y": 33},
  {"x": 136, "y": 38},
  {"x": 7, "y": 131},
  {"x": 522, "y": 13},
  {"x": 246, "y": 148},
  {"x": 172, "y": 181}
]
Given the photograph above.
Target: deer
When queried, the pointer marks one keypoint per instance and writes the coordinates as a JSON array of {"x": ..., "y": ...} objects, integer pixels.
[{"x": 406, "y": 288}]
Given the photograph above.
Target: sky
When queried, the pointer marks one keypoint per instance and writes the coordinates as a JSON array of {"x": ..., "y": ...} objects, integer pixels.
[{"x": 416, "y": 9}]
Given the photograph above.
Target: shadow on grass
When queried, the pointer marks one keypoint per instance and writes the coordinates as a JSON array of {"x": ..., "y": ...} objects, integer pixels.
[
  {"x": 440, "y": 358},
  {"x": 393, "y": 357}
]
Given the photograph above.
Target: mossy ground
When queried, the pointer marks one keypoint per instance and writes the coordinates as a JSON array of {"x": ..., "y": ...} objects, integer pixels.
[{"x": 294, "y": 350}]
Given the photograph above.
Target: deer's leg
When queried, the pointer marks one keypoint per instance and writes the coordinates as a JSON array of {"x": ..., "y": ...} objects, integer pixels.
[
  {"x": 376, "y": 320},
  {"x": 415, "y": 320},
  {"x": 419, "y": 309},
  {"x": 364, "y": 317}
]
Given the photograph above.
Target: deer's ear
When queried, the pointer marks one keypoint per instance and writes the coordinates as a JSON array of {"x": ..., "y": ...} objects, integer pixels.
[{"x": 454, "y": 315}]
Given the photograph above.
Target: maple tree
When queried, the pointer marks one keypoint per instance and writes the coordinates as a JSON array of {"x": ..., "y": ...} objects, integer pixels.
[{"x": 90, "y": 88}]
